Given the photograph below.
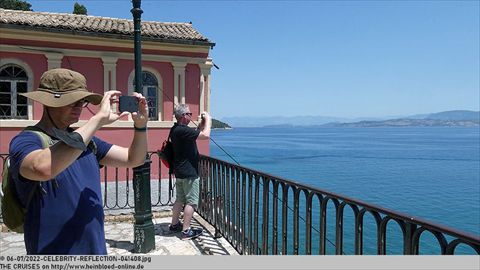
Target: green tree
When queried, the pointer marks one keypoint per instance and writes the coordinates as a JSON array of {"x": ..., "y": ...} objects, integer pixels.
[
  {"x": 79, "y": 9},
  {"x": 15, "y": 5},
  {"x": 219, "y": 124}
]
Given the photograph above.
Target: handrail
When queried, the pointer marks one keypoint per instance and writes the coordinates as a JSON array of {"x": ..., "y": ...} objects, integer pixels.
[
  {"x": 233, "y": 199},
  {"x": 220, "y": 179}
]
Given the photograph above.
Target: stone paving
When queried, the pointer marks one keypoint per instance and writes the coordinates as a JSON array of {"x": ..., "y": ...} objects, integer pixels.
[
  {"x": 119, "y": 227},
  {"x": 119, "y": 238}
]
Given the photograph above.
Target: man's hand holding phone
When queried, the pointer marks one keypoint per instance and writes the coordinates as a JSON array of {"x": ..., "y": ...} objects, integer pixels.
[{"x": 137, "y": 105}]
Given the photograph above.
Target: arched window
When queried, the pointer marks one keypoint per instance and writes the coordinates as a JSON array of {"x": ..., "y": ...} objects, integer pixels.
[
  {"x": 150, "y": 91},
  {"x": 13, "y": 81}
]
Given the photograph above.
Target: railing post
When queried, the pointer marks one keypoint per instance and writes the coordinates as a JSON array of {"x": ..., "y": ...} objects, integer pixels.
[
  {"x": 144, "y": 234},
  {"x": 218, "y": 199},
  {"x": 408, "y": 239},
  {"x": 265, "y": 217}
]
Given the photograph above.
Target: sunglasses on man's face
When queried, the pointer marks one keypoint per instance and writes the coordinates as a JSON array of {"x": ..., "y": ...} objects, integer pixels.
[
  {"x": 188, "y": 113},
  {"x": 81, "y": 103}
]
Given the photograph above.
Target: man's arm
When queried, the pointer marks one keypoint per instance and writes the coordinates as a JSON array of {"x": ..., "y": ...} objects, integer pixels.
[
  {"x": 45, "y": 164},
  {"x": 205, "y": 127},
  {"x": 134, "y": 155}
]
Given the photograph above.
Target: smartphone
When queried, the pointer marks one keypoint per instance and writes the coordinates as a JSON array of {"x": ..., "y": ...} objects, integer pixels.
[{"x": 128, "y": 104}]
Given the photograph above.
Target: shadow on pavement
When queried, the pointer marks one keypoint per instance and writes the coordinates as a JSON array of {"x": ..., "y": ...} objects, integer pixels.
[{"x": 126, "y": 245}]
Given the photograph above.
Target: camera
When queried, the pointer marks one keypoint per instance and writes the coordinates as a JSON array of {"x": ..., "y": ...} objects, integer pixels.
[{"x": 128, "y": 104}]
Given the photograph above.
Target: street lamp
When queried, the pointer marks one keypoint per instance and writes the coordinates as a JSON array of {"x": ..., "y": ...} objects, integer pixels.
[{"x": 144, "y": 233}]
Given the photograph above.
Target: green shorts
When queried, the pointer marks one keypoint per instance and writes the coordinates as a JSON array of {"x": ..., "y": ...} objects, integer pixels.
[{"x": 188, "y": 190}]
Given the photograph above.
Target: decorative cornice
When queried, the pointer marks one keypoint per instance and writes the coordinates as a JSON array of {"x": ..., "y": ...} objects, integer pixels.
[
  {"x": 117, "y": 124},
  {"x": 97, "y": 54}
]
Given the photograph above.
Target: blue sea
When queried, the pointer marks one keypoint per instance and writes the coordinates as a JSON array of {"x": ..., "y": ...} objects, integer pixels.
[{"x": 429, "y": 172}]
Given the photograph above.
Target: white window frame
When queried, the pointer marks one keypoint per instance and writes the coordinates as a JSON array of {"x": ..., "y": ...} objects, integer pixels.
[
  {"x": 159, "y": 89},
  {"x": 30, "y": 75}
]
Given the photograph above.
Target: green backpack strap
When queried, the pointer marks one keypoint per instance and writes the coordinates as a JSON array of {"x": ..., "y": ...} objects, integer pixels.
[{"x": 47, "y": 141}]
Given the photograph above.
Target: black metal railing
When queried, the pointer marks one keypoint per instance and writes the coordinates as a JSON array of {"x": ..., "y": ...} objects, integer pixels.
[
  {"x": 118, "y": 190},
  {"x": 118, "y": 193},
  {"x": 263, "y": 214}
]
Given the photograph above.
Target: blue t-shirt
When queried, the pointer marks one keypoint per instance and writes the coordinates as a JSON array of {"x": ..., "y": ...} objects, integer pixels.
[{"x": 68, "y": 218}]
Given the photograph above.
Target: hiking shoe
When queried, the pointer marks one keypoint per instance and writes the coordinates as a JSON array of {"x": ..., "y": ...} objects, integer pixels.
[
  {"x": 176, "y": 228},
  {"x": 191, "y": 233}
]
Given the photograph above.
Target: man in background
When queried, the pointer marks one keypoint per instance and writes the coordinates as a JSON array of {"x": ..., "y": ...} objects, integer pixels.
[{"x": 186, "y": 160}]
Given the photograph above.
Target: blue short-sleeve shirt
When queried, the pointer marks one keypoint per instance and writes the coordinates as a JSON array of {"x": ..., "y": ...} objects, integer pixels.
[{"x": 68, "y": 218}]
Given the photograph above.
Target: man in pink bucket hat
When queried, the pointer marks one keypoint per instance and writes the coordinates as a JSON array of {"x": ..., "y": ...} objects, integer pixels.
[{"x": 59, "y": 185}]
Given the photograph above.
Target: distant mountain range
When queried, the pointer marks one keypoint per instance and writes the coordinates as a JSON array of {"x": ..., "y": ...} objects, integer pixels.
[
  {"x": 285, "y": 120},
  {"x": 408, "y": 123},
  {"x": 447, "y": 118},
  {"x": 450, "y": 115}
]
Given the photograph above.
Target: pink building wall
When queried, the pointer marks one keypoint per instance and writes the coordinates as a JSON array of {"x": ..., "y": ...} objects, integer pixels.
[
  {"x": 93, "y": 70},
  {"x": 124, "y": 68},
  {"x": 192, "y": 82}
]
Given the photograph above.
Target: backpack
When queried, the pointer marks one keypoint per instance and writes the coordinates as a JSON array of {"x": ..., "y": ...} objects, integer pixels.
[
  {"x": 13, "y": 212},
  {"x": 166, "y": 154}
]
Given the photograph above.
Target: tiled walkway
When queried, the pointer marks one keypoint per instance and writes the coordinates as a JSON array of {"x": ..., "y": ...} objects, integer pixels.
[{"x": 119, "y": 238}]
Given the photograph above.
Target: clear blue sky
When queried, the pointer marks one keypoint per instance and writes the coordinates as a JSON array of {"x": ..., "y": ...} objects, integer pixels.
[{"x": 329, "y": 58}]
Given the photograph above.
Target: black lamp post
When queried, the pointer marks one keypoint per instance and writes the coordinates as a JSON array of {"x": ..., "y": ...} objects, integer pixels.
[{"x": 144, "y": 233}]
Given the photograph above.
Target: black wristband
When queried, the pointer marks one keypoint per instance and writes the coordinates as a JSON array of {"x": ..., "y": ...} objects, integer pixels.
[{"x": 144, "y": 129}]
